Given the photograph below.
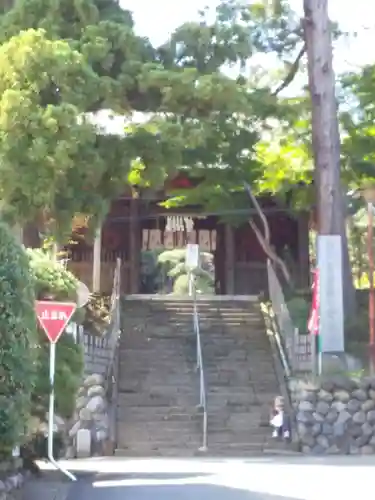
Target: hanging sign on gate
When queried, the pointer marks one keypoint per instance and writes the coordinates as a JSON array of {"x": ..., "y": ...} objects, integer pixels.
[{"x": 53, "y": 317}]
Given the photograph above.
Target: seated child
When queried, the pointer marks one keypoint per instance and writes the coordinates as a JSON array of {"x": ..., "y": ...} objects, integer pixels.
[{"x": 280, "y": 421}]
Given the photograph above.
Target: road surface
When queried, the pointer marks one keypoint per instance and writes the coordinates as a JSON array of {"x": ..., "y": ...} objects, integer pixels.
[{"x": 295, "y": 478}]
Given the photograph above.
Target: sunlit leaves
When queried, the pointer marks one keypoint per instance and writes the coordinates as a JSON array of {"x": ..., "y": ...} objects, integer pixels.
[
  {"x": 44, "y": 88},
  {"x": 196, "y": 119}
]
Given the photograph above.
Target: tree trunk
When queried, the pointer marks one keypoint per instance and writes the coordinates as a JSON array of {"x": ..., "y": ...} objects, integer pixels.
[{"x": 325, "y": 136}]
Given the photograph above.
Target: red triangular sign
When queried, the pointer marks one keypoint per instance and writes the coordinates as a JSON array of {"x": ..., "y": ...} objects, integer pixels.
[{"x": 53, "y": 317}]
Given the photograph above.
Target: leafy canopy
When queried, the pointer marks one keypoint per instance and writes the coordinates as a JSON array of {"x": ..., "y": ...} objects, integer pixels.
[{"x": 63, "y": 60}]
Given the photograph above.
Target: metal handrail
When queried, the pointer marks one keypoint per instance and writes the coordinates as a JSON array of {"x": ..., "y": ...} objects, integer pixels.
[
  {"x": 283, "y": 320},
  {"x": 200, "y": 365},
  {"x": 288, "y": 339}
]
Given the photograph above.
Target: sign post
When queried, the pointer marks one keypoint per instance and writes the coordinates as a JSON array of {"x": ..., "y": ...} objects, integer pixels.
[
  {"x": 192, "y": 263},
  {"x": 53, "y": 317}
]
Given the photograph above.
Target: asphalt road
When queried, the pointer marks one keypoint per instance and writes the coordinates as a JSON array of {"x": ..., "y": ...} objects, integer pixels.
[{"x": 249, "y": 479}]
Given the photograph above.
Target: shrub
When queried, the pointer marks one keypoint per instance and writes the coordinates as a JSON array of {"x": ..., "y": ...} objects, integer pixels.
[
  {"x": 299, "y": 310},
  {"x": 69, "y": 368},
  {"x": 53, "y": 281},
  {"x": 173, "y": 262},
  {"x": 18, "y": 341}
]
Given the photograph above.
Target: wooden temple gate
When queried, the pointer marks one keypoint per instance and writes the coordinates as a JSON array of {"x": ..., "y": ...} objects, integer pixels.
[{"x": 136, "y": 225}]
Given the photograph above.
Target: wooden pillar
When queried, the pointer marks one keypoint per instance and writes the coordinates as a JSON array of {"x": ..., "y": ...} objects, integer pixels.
[
  {"x": 229, "y": 260},
  {"x": 303, "y": 251},
  {"x": 135, "y": 246},
  {"x": 97, "y": 260}
]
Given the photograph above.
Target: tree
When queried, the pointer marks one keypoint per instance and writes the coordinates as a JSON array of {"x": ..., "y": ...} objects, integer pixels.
[
  {"x": 325, "y": 135},
  {"x": 197, "y": 116},
  {"x": 44, "y": 87},
  {"x": 18, "y": 343},
  {"x": 74, "y": 58}
]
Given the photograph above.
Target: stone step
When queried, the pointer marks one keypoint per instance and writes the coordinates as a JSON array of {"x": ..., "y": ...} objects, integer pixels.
[
  {"x": 159, "y": 386},
  {"x": 159, "y": 448},
  {"x": 146, "y": 400},
  {"x": 148, "y": 452},
  {"x": 187, "y": 434},
  {"x": 189, "y": 307},
  {"x": 190, "y": 304},
  {"x": 184, "y": 430},
  {"x": 249, "y": 451},
  {"x": 215, "y": 332},
  {"x": 218, "y": 325},
  {"x": 135, "y": 417},
  {"x": 186, "y": 320}
]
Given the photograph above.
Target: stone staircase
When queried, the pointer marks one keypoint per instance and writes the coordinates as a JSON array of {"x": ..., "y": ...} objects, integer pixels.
[{"x": 157, "y": 412}]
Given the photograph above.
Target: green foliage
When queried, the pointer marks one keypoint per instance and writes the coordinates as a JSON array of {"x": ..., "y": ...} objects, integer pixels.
[
  {"x": 18, "y": 339},
  {"x": 44, "y": 88},
  {"x": 69, "y": 369},
  {"x": 62, "y": 60},
  {"x": 53, "y": 281},
  {"x": 173, "y": 262},
  {"x": 299, "y": 309}
]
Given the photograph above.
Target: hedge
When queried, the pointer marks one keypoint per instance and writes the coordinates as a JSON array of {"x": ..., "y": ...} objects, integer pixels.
[
  {"x": 18, "y": 341},
  {"x": 53, "y": 281}
]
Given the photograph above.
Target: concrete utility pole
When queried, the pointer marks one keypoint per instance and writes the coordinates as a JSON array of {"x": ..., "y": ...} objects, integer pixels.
[{"x": 325, "y": 134}]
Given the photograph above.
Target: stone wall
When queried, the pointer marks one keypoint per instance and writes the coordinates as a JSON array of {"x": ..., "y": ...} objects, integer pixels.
[
  {"x": 89, "y": 431},
  {"x": 12, "y": 477},
  {"x": 335, "y": 416}
]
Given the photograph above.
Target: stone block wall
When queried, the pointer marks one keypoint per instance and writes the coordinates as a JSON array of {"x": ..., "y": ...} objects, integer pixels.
[
  {"x": 89, "y": 431},
  {"x": 335, "y": 415}
]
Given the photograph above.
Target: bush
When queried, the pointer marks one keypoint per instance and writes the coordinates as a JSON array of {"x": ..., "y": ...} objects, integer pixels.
[
  {"x": 53, "y": 281},
  {"x": 18, "y": 341},
  {"x": 69, "y": 368},
  {"x": 173, "y": 262},
  {"x": 299, "y": 310}
]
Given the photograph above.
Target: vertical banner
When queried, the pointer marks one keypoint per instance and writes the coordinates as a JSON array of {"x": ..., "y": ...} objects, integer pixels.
[
  {"x": 331, "y": 310},
  {"x": 313, "y": 325},
  {"x": 313, "y": 322}
]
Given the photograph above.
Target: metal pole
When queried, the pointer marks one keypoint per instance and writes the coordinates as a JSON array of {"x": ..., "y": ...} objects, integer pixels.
[
  {"x": 51, "y": 414},
  {"x": 371, "y": 284},
  {"x": 190, "y": 281}
]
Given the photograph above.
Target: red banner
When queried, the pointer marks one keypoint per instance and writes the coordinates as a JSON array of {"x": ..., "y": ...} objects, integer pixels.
[{"x": 313, "y": 322}]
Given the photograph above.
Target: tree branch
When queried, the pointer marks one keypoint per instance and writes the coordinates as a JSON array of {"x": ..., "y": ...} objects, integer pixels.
[
  {"x": 265, "y": 241},
  {"x": 268, "y": 250},
  {"x": 292, "y": 72}
]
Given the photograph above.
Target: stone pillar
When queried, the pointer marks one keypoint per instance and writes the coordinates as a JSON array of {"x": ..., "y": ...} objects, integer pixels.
[{"x": 97, "y": 259}]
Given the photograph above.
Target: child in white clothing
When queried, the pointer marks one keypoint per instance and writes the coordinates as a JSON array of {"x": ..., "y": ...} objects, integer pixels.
[{"x": 280, "y": 421}]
